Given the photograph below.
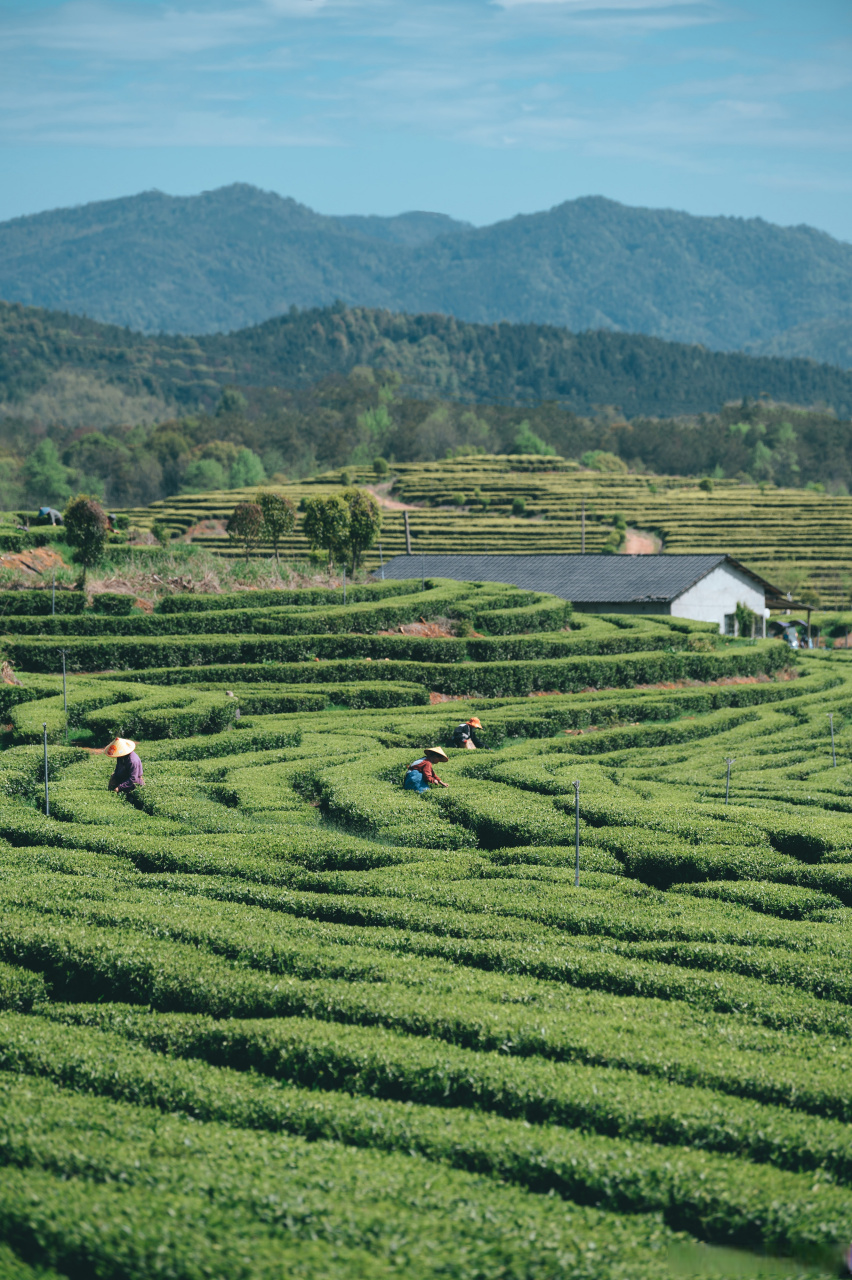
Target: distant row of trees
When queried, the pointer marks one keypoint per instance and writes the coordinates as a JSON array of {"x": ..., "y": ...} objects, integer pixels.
[{"x": 345, "y": 525}]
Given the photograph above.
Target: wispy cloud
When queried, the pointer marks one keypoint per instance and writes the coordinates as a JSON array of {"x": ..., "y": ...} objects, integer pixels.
[{"x": 680, "y": 86}]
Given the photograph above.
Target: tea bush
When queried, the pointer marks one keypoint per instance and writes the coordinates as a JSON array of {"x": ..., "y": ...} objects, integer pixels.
[{"x": 272, "y": 1013}]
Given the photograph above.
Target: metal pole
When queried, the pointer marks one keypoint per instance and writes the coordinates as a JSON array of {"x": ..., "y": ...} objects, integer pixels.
[
  {"x": 423, "y": 570},
  {"x": 382, "y": 562},
  {"x": 730, "y": 760},
  {"x": 53, "y": 597},
  {"x": 583, "y": 528},
  {"x": 344, "y": 586},
  {"x": 64, "y": 696},
  {"x": 46, "y": 792},
  {"x": 407, "y": 534},
  {"x": 833, "y": 752},
  {"x": 576, "y": 835}
]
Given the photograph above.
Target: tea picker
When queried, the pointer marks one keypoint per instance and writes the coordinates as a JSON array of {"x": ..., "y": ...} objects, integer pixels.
[
  {"x": 420, "y": 775},
  {"x": 128, "y": 767},
  {"x": 464, "y": 735}
]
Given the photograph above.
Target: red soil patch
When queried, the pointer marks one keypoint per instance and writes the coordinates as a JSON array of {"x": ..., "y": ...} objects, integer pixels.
[
  {"x": 36, "y": 561},
  {"x": 431, "y": 629}
]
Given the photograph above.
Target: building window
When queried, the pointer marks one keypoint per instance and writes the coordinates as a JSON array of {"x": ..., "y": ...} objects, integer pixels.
[{"x": 730, "y": 624}]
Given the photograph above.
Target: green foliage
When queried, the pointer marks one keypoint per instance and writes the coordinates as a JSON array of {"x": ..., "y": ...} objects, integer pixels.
[
  {"x": 526, "y": 441},
  {"x": 245, "y": 524},
  {"x": 46, "y": 481},
  {"x": 279, "y": 517},
  {"x": 380, "y": 467},
  {"x": 86, "y": 530},
  {"x": 275, "y": 1014},
  {"x": 601, "y": 460},
  {"x": 326, "y": 525}
]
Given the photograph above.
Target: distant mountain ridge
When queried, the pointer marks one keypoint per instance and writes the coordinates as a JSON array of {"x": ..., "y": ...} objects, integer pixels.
[
  {"x": 234, "y": 257},
  {"x": 60, "y": 368}
]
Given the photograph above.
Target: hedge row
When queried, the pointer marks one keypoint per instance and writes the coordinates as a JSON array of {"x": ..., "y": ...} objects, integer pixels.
[
  {"x": 726, "y": 1200},
  {"x": 492, "y": 679}
]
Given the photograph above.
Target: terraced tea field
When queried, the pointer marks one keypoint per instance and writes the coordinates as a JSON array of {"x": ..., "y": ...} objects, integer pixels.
[
  {"x": 795, "y": 535},
  {"x": 273, "y": 1015}
]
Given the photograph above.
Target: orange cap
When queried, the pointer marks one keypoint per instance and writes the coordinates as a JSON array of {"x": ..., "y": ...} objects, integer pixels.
[{"x": 477, "y": 724}]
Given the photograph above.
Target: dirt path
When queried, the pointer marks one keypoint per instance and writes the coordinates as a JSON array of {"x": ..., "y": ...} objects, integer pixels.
[
  {"x": 639, "y": 543},
  {"x": 380, "y": 493}
]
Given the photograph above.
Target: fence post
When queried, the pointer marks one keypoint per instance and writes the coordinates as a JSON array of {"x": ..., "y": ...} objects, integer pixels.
[
  {"x": 576, "y": 835},
  {"x": 833, "y": 752},
  {"x": 46, "y": 791},
  {"x": 729, "y": 760},
  {"x": 64, "y": 696}
]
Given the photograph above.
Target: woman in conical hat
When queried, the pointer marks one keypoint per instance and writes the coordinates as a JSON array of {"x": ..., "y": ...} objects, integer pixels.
[
  {"x": 420, "y": 775},
  {"x": 128, "y": 767}
]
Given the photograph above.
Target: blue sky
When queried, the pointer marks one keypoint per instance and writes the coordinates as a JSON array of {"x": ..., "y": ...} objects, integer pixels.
[{"x": 477, "y": 108}]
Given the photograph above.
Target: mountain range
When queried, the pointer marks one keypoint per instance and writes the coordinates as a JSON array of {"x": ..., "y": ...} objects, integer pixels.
[{"x": 237, "y": 256}]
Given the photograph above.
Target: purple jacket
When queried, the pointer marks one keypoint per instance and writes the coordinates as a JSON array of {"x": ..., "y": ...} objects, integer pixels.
[{"x": 127, "y": 773}]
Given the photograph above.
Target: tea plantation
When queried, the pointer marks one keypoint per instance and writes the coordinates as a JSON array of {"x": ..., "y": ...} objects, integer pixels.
[
  {"x": 534, "y": 504},
  {"x": 272, "y": 1015}
]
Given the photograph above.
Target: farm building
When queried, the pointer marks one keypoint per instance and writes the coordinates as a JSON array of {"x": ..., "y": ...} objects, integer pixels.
[{"x": 706, "y": 588}]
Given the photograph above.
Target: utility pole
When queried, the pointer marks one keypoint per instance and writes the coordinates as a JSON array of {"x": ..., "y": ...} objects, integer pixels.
[
  {"x": 583, "y": 528},
  {"x": 407, "y": 534},
  {"x": 46, "y": 791},
  {"x": 729, "y": 760},
  {"x": 576, "y": 835},
  {"x": 833, "y": 752}
]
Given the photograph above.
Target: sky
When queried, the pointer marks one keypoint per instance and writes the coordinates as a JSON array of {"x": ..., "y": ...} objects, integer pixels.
[{"x": 481, "y": 109}]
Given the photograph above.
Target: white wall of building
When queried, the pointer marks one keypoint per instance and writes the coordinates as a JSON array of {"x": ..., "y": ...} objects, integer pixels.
[{"x": 718, "y": 594}]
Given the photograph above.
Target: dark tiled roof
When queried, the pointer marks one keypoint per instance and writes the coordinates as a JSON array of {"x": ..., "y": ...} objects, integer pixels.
[{"x": 585, "y": 579}]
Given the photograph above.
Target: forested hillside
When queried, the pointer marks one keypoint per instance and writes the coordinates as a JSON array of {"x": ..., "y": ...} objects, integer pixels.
[
  {"x": 237, "y": 256},
  {"x": 430, "y": 355}
]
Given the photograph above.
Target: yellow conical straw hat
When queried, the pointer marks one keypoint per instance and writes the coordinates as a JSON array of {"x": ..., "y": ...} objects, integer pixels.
[
  {"x": 120, "y": 747},
  {"x": 438, "y": 752}
]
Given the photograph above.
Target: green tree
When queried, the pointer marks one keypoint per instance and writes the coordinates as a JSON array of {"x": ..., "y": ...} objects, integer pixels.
[
  {"x": 246, "y": 471},
  {"x": 365, "y": 522},
  {"x": 601, "y": 460},
  {"x": 746, "y": 619},
  {"x": 279, "y": 517},
  {"x": 326, "y": 525},
  {"x": 46, "y": 480},
  {"x": 245, "y": 525},
  {"x": 526, "y": 441},
  {"x": 204, "y": 475},
  {"x": 380, "y": 467},
  {"x": 86, "y": 528}
]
